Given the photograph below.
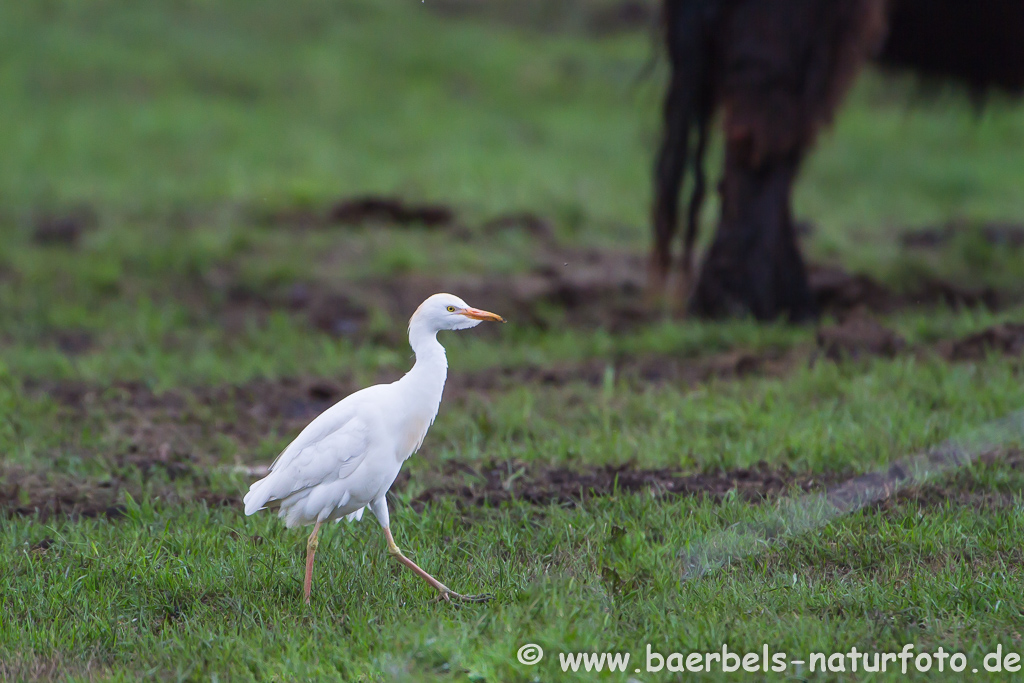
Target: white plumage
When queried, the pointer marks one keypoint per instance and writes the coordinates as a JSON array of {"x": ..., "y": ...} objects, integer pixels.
[{"x": 348, "y": 457}]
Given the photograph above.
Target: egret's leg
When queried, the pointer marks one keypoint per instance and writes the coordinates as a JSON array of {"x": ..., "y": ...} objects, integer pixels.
[
  {"x": 311, "y": 546},
  {"x": 379, "y": 508},
  {"x": 444, "y": 592}
]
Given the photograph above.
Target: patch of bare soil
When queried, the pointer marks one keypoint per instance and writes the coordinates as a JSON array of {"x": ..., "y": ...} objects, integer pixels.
[
  {"x": 933, "y": 237},
  {"x": 396, "y": 212},
  {"x": 580, "y": 287},
  {"x": 1007, "y": 339},
  {"x": 24, "y": 493},
  {"x": 586, "y": 287},
  {"x": 73, "y": 342},
  {"x": 933, "y": 291},
  {"x": 179, "y": 420},
  {"x": 330, "y": 312},
  {"x": 236, "y": 306},
  {"x": 539, "y": 227},
  {"x": 837, "y": 291},
  {"x": 590, "y": 288},
  {"x": 494, "y": 484},
  {"x": 497, "y": 483},
  {"x": 859, "y": 335},
  {"x": 154, "y": 461},
  {"x": 29, "y": 493},
  {"x": 374, "y": 209},
  {"x": 62, "y": 229},
  {"x": 363, "y": 210},
  {"x": 161, "y": 442},
  {"x": 471, "y": 484},
  {"x": 636, "y": 370}
]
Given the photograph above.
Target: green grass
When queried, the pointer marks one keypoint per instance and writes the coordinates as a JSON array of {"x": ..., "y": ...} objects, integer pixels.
[
  {"x": 159, "y": 592},
  {"x": 183, "y": 126}
]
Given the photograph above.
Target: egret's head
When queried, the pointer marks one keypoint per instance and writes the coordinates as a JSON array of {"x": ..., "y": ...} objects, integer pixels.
[{"x": 449, "y": 312}]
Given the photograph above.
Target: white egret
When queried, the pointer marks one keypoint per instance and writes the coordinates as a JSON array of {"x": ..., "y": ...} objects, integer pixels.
[{"x": 347, "y": 458}]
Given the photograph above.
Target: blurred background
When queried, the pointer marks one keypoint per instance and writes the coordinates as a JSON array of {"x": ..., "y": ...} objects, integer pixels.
[{"x": 263, "y": 175}]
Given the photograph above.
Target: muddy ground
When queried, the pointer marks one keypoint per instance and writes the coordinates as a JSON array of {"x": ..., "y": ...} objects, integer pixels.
[
  {"x": 160, "y": 438},
  {"x": 497, "y": 483},
  {"x": 567, "y": 287},
  {"x": 997, "y": 234},
  {"x": 590, "y": 288},
  {"x": 492, "y": 484}
]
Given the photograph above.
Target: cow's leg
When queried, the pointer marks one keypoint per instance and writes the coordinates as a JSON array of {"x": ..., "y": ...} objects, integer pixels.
[
  {"x": 754, "y": 266},
  {"x": 668, "y": 179}
]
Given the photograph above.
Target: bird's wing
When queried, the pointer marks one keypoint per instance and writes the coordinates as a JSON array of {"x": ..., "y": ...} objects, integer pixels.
[
  {"x": 327, "y": 450},
  {"x": 334, "y": 454}
]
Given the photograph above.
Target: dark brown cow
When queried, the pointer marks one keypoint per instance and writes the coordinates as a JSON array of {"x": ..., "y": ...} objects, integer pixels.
[{"x": 778, "y": 69}]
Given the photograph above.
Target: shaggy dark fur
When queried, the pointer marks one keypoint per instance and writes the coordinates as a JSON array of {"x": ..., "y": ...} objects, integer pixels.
[
  {"x": 778, "y": 70},
  {"x": 979, "y": 44}
]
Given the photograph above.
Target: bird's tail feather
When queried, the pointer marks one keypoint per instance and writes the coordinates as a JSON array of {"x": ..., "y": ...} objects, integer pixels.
[{"x": 258, "y": 496}]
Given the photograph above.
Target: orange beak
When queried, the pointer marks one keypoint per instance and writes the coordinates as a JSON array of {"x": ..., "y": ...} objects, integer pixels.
[{"x": 477, "y": 314}]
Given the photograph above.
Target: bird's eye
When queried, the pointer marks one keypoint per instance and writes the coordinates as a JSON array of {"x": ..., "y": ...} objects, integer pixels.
[{"x": 451, "y": 309}]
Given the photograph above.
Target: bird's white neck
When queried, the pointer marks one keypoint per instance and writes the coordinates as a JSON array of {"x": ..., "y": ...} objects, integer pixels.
[
  {"x": 429, "y": 372},
  {"x": 418, "y": 393}
]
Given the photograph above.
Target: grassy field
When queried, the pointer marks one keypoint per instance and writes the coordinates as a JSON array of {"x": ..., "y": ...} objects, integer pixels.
[{"x": 175, "y": 304}]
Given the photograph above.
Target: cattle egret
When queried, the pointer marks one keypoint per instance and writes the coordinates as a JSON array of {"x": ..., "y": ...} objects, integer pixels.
[{"x": 347, "y": 458}]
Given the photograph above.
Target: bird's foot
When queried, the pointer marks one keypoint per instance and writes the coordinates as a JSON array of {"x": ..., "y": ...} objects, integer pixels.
[{"x": 450, "y": 596}]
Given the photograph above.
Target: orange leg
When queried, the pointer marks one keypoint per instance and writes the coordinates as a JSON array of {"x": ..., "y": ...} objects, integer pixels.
[
  {"x": 311, "y": 546},
  {"x": 444, "y": 592}
]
